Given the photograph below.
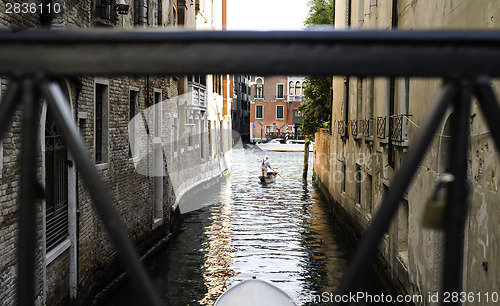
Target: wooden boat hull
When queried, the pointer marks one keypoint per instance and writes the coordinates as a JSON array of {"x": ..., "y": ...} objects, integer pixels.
[
  {"x": 270, "y": 178},
  {"x": 254, "y": 292}
]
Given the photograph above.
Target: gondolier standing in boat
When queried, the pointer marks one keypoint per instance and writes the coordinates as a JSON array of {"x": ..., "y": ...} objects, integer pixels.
[{"x": 265, "y": 164}]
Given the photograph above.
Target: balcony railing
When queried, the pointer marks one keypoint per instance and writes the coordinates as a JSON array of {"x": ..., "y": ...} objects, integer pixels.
[
  {"x": 399, "y": 124},
  {"x": 381, "y": 129},
  {"x": 291, "y": 98},
  {"x": 355, "y": 127},
  {"x": 466, "y": 60},
  {"x": 367, "y": 128},
  {"x": 341, "y": 127}
]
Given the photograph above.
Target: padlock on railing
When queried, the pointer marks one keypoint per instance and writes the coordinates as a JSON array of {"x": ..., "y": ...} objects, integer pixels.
[{"x": 434, "y": 211}]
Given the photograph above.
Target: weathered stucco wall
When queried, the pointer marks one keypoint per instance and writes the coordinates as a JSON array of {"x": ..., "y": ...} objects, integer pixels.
[{"x": 414, "y": 253}]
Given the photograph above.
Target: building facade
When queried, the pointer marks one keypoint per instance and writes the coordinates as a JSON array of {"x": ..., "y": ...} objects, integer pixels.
[
  {"x": 152, "y": 139},
  {"x": 240, "y": 106},
  {"x": 273, "y": 107},
  {"x": 374, "y": 123}
]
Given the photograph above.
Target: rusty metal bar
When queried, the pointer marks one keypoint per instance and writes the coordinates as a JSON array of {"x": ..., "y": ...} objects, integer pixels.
[{"x": 361, "y": 53}]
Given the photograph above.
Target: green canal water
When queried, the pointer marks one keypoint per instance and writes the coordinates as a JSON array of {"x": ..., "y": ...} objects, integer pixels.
[{"x": 281, "y": 233}]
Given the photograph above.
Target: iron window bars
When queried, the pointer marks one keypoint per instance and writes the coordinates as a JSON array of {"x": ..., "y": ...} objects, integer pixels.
[{"x": 465, "y": 60}]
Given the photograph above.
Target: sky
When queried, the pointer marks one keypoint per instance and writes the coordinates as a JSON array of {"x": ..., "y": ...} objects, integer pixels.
[{"x": 263, "y": 15}]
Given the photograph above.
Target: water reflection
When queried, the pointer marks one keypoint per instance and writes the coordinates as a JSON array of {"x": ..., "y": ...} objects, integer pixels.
[{"x": 279, "y": 232}]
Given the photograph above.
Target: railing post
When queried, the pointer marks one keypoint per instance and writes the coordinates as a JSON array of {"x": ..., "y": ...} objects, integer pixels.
[
  {"x": 28, "y": 196},
  {"x": 458, "y": 193}
]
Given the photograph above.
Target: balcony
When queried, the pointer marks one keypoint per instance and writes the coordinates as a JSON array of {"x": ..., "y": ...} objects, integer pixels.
[
  {"x": 399, "y": 129},
  {"x": 292, "y": 98},
  {"x": 197, "y": 95},
  {"x": 367, "y": 128},
  {"x": 381, "y": 127},
  {"x": 342, "y": 127}
]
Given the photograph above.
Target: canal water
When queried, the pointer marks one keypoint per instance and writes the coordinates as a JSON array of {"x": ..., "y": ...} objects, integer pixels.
[{"x": 280, "y": 233}]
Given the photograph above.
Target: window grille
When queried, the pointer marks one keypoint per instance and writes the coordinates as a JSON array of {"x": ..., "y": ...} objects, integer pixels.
[
  {"x": 56, "y": 185},
  {"x": 105, "y": 9}
]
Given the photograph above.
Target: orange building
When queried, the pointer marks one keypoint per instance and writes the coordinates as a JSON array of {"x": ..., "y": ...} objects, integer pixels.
[{"x": 273, "y": 107}]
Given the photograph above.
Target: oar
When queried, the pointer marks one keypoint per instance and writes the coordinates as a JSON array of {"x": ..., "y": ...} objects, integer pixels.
[{"x": 278, "y": 173}]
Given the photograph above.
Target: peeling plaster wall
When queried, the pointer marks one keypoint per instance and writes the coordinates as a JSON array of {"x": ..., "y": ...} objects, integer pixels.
[{"x": 414, "y": 254}]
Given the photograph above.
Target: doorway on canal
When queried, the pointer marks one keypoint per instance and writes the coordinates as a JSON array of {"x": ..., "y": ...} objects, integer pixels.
[{"x": 281, "y": 233}]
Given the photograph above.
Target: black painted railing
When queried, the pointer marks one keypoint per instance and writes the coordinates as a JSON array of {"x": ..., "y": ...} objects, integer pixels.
[{"x": 464, "y": 60}]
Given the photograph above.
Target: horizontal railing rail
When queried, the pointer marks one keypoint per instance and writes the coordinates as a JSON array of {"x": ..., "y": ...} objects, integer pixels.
[{"x": 364, "y": 53}]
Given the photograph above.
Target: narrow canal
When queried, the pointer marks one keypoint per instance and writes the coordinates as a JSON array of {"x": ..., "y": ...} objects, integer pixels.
[{"x": 279, "y": 232}]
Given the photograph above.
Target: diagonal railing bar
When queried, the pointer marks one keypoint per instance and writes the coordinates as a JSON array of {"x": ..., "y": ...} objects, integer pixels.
[
  {"x": 457, "y": 196},
  {"x": 490, "y": 107},
  {"x": 8, "y": 105},
  {"x": 59, "y": 109},
  {"x": 28, "y": 196},
  {"x": 401, "y": 181}
]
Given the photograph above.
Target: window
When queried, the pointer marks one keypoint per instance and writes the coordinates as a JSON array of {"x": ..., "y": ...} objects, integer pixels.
[
  {"x": 133, "y": 108},
  {"x": 138, "y": 12},
  {"x": 175, "y": 137},
  {"x": 259, "y": 88},
  {"x": 174, "y": 16},
  {"x": 298, "y": 89},
  {"x": 105, "y": 9},
  {"x": 157, "y": 112},
  {"x": 361, "y": 12},
  {"x": 279, "y": 112},
  {"x": 159, "y": 12},
  {"x": 403, "y": 231},
  {"x": 358, "y": 178},
  {"x": 101, "y": 132},
  {"x": 269, "y": 129},
  {"x": 56, "y": 185},
  {"x": 280, "y": 91},
  {"x": 259, "y": 112},
  {"x": 369, "y": 200},
  {"x": 291, "y": 89},
  {"x": 343, "y": 176},
  {"x": 1, "y": 141},
  {"x": 373, "y": 5}
]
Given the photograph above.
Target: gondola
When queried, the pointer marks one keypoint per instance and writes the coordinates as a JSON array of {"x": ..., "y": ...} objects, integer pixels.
[
  {"x": 253, "y": 292},
  {"x": 270, "y": 178}
]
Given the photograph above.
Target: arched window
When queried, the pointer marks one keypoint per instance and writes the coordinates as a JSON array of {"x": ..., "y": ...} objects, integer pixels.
[
  {"x": 291, "y": 89},
  {"x": 298, "y": 89},
  {"x": 259, "y": 88}
]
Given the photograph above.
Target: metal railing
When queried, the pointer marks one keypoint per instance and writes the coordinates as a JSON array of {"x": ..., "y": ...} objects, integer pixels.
[
  {"x": 465, "y": 60},
  {"x": 367, "y": 128},
  {"x": 397, "y": 132}
]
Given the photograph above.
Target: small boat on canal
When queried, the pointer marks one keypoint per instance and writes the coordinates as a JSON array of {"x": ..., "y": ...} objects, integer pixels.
[
  {"x": 270, "y": 178},
  {"x": 282, "y": 145},
  {"x": 253, "y": 292}
]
